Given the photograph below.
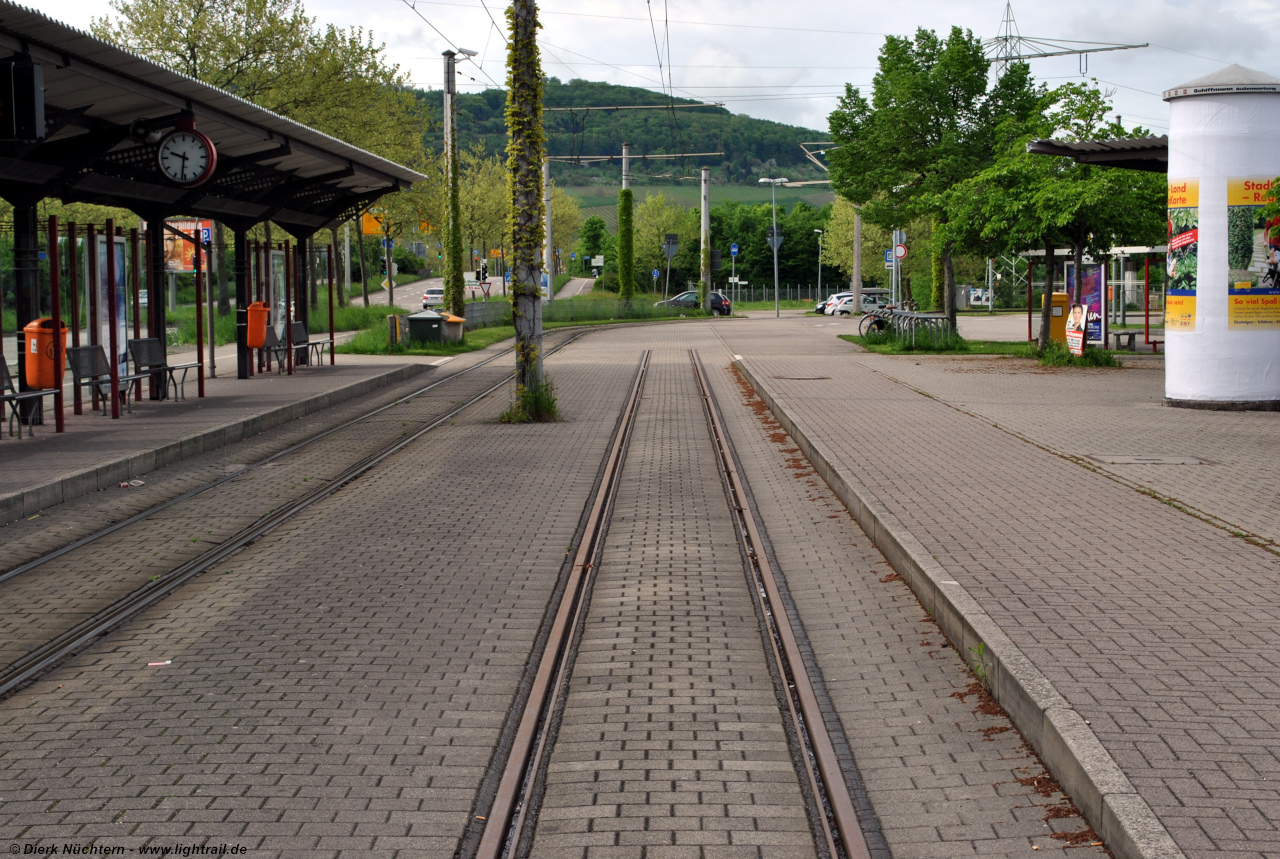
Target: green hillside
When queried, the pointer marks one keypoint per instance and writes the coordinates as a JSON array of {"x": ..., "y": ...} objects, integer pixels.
[
  {"x": 602, "y": 200},
  {"x": 751, "y": 147}
]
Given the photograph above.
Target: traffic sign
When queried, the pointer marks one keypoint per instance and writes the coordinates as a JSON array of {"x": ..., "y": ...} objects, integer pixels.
[
  {"x": 900, "y": 251},
  {"x": 775, "y": 238},
  {"x": 573, "y": 256},
  {"x": 670, "y": 245},
  {"x": 656, "y": 274},
  {"x": 733, "y": 249},
  {"x": 888, "y": 256}
]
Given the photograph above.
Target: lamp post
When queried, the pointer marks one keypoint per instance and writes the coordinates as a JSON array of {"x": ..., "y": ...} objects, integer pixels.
[
  {"x": 819, "y": 232},
  {"x": 774, "y": 240}
]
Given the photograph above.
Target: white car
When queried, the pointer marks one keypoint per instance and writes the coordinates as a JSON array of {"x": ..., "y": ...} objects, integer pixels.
[
  {"x": 834, "y": 300},
  {"x": 433, "y": 297},
  {"x": 821, "y": 306},
  {"x": 844, "y": 306}
]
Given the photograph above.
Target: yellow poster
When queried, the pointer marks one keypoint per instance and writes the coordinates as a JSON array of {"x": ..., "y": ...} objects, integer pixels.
[
  {"x": 1253, "y": 255},
  {"x": 1183, "y": 260}
]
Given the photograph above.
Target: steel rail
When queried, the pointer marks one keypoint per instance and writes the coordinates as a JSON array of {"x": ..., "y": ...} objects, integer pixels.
[
  {"x": 214, "y": 484},
  {"x": 48, "y": 654},
  {"x": 506, "y": 816},
  {"x": 822, "y": 766}
]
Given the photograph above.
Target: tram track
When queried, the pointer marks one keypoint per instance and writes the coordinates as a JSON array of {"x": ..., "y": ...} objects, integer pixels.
[
  {"x": 102, "y": 618},
  {"x": 511, "y": 817}
]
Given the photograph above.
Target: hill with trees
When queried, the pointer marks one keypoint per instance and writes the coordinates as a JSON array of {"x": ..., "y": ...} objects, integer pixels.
[{"x": 752, "y": 147}]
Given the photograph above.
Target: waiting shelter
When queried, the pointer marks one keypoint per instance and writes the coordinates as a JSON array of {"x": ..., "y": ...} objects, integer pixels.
[{"x": 88, "y": 122}]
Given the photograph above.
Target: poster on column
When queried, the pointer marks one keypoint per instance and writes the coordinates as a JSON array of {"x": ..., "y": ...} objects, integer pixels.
[
  {"x": 1183, "y": 260},
  {"x": 1253, "y": 256},
  {"x": 1087, "y": 314},
  {"x": 104, "y": 316},
  {"x": 180, "y": 254}
]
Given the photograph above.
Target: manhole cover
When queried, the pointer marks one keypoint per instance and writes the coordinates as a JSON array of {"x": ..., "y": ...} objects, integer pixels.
[
  {"x": 802, "y": 378},
  {"x": 1141, "y": 459}
]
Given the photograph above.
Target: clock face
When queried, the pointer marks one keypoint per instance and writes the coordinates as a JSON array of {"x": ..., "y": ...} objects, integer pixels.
[{"x": 186, "y": 157}]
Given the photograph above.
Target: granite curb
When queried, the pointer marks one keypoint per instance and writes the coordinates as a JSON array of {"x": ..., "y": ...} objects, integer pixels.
[
  {"x": 28, "y": 502},
  {"x": 1059, "y": 734}
]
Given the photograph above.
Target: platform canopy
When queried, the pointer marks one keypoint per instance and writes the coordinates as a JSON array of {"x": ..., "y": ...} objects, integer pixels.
[
  {"x": 104, "y": 107},
  {"x": 1136, "y": 153}
]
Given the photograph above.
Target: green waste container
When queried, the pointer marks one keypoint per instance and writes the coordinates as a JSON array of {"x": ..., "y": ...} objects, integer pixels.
[{"x": 426, "y": 327}]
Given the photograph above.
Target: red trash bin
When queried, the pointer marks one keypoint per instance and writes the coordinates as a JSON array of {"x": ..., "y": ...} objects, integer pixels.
[
  {"x": 258, "y": 317},
  {"x": 40, "y": 366}
]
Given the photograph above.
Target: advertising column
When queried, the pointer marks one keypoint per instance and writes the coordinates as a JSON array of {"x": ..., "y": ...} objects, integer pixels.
[{"x": 1222, "y": 318}]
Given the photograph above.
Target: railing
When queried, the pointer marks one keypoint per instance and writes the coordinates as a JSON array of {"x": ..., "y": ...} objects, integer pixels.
[{"x": 934, "y": 328}]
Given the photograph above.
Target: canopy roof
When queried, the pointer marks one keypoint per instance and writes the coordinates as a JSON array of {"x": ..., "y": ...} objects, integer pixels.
[
  {"x": 1136, "y": 153},
  {"x": 269, "y": 167}
]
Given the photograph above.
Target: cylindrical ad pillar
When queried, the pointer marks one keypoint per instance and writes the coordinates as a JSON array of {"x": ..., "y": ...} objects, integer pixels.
[{"x": 1222, "y": 295}]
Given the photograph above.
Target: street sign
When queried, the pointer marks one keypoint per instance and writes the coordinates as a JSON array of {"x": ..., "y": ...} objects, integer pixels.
[
  {"x": 733, "y": 279},
  {"x": 573, "y": 256},
  {"x": 775, "y": 238},
  {"x": 733, "y": 250},
  {"x": 888, "y": 257},
  {"x": 900, "y": 251},
  {"x": 598, "y": 260},
  {"x": 671, "y": 244},
  {"x": 656, "y": 274}
]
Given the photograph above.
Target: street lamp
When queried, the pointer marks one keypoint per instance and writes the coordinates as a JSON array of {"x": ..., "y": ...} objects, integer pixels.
[
  {"x": 819, "y": 232},
  {"x": 775, "y": 240}
]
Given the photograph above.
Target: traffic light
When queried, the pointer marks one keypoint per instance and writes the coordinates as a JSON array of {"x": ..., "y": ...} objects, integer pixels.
[{"x": 484, "y": 271}]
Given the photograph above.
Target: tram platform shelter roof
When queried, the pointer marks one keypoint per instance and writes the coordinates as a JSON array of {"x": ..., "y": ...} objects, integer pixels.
[{"x": 102, "y": 106}]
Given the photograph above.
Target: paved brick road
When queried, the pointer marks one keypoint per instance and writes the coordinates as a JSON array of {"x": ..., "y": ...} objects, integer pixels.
[
  {"x": 672, "y": 743},
  {"x": 1157, "y": 627},
  {"x": 340, "y": 688}
]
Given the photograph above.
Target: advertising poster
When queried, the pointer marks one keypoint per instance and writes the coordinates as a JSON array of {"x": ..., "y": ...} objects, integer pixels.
[
  {"x": 1182, "y": 269},
  {"x": 1089, "y": 310},
  {"x": 104, "y": 317},
  {"x": 1253, "y": 256},
  {"x": 276, "y": 288},
  {"x": 179, "y": 254}
]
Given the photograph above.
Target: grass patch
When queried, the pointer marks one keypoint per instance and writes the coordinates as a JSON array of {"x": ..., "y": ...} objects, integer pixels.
[
  {"x": 1057, "y": 355},
  {"x": 885, "y": 344},
  {"x": 785, "y": 304},
  {"x": 373, "y": 341},
  {"x": 533, "y": 404}
]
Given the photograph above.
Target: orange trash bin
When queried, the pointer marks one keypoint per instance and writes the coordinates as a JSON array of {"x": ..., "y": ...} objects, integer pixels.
[
  {"x": 258, "y": 316},
  {"x": 40, "y": 367}
]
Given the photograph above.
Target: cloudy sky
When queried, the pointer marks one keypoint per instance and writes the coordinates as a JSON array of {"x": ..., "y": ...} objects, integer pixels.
[{"x": 788, "y": 61}]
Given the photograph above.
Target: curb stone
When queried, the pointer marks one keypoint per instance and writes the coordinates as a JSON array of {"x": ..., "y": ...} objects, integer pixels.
[
  {"x": 1065, "y": 743},
  {"x": 28, "y": 502}
]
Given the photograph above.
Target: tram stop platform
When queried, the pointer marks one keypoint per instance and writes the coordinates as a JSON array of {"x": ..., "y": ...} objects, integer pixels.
[{"x": 97, "y": 452}]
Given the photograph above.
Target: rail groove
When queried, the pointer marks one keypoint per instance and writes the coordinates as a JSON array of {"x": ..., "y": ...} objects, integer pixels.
[
  {"x": 841, "y": 828},
  {"x": 506, "y": 818}
]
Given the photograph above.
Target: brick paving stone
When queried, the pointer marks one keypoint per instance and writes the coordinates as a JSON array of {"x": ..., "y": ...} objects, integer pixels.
[
  {"x": 1156, "y": 626},
  {"x": 671, "y": 735},
  {"x": 356, "y": 665}
]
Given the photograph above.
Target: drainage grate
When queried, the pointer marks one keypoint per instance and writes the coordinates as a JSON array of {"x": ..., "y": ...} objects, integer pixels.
[{"x": 1143, "y": 459}]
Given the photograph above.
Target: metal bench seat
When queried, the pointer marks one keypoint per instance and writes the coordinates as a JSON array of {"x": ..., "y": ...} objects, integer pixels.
[
  {"x": 11, "y": 397},
  {"x": 90, "y": 369},
  {"x": 149, "y": 358}
]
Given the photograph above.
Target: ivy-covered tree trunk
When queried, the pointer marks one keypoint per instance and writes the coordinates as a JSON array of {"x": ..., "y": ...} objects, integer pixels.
[
  {"x": 1047, "y": 300},
  {"x": 949, "y": 288},
  {"x": 339, "y": 278},
  {"x": 1077, "y": 288},
  {"x": 939, "y": 277},
  {"x": 626, "y": 247},
  {"x": 524, "y": 163},
  {"x": 455, "y": 293},
  {"x": 364, "y": 268}
]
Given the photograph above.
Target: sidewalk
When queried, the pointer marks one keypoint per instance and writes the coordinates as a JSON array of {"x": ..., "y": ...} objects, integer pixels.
[{"x": 1131, "y": 636}]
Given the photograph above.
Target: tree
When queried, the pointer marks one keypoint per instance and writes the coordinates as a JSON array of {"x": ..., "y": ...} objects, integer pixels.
[
  {"x": 626, "y": 247},
  {"x": 535, "y": 400},
  {"x": 592, "y": 234},
  {"x": 1025, "y": 201},
  {"x": 930, "y": 123},
  {"x": 655, "y": 217}
]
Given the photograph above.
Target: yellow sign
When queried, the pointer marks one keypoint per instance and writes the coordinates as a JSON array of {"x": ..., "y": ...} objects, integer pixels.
[
  {"x": 371, "y": 223},
  {"x": 494, "y": 252},
  {"x": 1180, "y": 312},
  {"x": 1250, "y": 192},
  {"x": 1184, "y": 193}
]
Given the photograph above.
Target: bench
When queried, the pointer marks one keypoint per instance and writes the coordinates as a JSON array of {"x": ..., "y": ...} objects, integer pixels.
[
  {"x": 274, "y": 348},
  {"x": 90, "y": 369},
  {"x": 1155, "y": 346},
  {"x": 302, "y": 340},
  {"x": 1129, "y": 337},
  {"x": 149, "y": 358},
  {"x": 12, "y": 397}
]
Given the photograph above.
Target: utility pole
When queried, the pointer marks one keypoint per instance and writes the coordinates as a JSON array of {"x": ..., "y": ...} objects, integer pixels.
[
  {"x": 453, "y": 285},
  {"x": 775, "y": 240},
  {"x": 856, "y": 285},
  {"x": 820, "y": 234},
  {"x": 626, "y": 166},
  {"x": 548, "y": 270},
  {"x": 346, "y": 259},
  {"x": 705, "y": 254}
]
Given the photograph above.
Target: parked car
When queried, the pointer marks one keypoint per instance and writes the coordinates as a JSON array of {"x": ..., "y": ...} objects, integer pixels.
[
  {"x": 874, "y": 299},
  {"x": 821, "y": 306},
  {"x": 720, "y": 305},
  {"x": 433, "y": 297},
  {"x": 843, "y": 307}
]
